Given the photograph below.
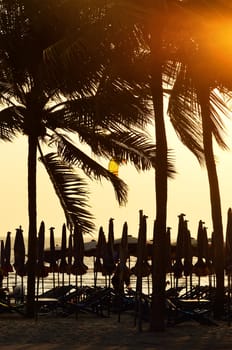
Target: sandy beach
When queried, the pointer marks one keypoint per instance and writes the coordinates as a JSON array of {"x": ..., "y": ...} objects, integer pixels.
[{"x": 93, "y": 332}]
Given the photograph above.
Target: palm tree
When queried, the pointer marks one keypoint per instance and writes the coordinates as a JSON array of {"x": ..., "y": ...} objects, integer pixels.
[
  {"x": 132, "y": 49},
  {"x": 195, "y": 94},
  {"x": 39, "y": 111}
]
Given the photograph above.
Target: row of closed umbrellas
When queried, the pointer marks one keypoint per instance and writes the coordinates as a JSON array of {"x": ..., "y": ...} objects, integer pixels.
[{"x": 111, "y": 261}]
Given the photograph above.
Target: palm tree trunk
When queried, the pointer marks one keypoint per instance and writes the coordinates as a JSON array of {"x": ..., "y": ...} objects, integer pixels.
[
  {"x": 31, "y": 263},
  {"x": 158, "y": 263},
  {"x": 215, "y": 200}
]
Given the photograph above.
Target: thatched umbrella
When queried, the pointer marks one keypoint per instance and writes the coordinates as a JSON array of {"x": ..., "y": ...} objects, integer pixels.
[
  {"x": 202, "y": 268},
  {"x": 212, "y": 255},
  {"x": 2, "y": 261},
  {"x": 142, "y": 267},
  {"x": 169, "y": 268},
  {"x": 53, "y": 263},
  {"x": 70, "y": 256},
  {"x": 178, "y": 265},
  {"x": 228, "y": 248},
  {"x": 122, "y": 273},
  {"x": 42, "y": 270},
  {"x": 106, "y": 252},
  {"x": 19, "y": 253},
  {"x": 98, "y": 265},
  {"x": 109, "y": 262},
  {"x": 110, "y": 243},
  {"x": 188, "y": 255},
  {"x": 19, "y": 256},
  {"x": 228, "y": 256},
  {"x": 63, "y": 263},
  {"x": 78, "y": 267},
  {"x": 7, "y": 267}
]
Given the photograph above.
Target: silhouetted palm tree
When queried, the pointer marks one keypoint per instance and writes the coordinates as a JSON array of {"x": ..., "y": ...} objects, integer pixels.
[
  {"x": 38, "y": 110},
  {"x": 196, "y": 95}
]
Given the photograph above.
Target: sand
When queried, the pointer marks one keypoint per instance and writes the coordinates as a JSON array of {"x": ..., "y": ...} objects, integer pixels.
[{"x": 54, "y": 332}]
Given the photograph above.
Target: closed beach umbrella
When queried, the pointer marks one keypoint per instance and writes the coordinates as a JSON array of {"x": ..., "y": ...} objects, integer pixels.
[
  {"x": 228, "y": 249},
  {"x": 228, "y": 257},
  {"x": 98, "y": 266},
  {"x": 142, "y": 267},
  {"x": 53, "y": 264},
  {"x": 178, "y": 265},
  {"x": 122, "y": 272},
  {"x": 110, "y": 257},
  {"x": 201, "y": 267},
  {"x": 19, "y": 253},
  {"x": 98, "y": 262},
  {"x": 7, "y": 265},
  {"x": 63, "y": 263},
  {"x": 188, "y": 254},
  {"x": 2, "y": 262},
  {"x": 2, "y": 258},
  {"x": 111, "y": 237},
  {"x": 78, "y": 268},
  {"x": 53, "y": 267},
  {"x": 42, "y": 270},
  {"x": 70, "y": 253},
  {"x": 168, "y": 251}
]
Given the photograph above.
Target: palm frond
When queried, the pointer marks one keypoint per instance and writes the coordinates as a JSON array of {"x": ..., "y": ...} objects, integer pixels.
[
  {"x": 75, "y": 157},
  {"x": 71, "y": 191},
  {"x": 219, "y": 110},
  {"x": 184, "y": 113},
  {"x": 109, "y": 108},
  {"x": 10, "y": 123}
]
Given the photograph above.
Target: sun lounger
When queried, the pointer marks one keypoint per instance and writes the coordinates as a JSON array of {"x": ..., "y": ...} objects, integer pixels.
[
  {"x": 94, "y": 301},
  {"x": 177, "y": 314},
  {"x": 6, "y": 307},
  {"x": 57, "y": 292}
]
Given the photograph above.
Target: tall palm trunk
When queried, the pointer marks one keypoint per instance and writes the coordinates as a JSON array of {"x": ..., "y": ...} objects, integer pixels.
[
  {"x": 204, "y": 96},
  {"x": 31, "y": 263},
  {"x": 158, "y": 263}
]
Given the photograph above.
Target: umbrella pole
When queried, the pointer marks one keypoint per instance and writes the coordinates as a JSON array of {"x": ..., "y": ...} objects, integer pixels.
[
  {"x": 54, "y": 279},
  {"x": 148, "y": 285},
  {"x": 191, "y": 284},
  {"x": 186, "y": 285},
  {"x": 62, "y": 278},
  {"x": 58, "y": 278},
  {"x": 22, "y": 287},
  {"x": 37, "y": 290},
  {"x": 95, "y": 272},
  {"x": 7, "y": 280},
  {"x": 42, "y": 285},
  {"x": 229, "y": 298},
  {"x": 171, "y": 280},
  {"x": 76, "y": 281}
]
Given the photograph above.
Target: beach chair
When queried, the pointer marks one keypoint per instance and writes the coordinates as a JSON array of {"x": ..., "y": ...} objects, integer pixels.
[
  {"x": 95, "y": 300},
  {"x": 57, "y": 292},
  {"x": 176, "y": 313},
  {"x": 8, "y": 308}
]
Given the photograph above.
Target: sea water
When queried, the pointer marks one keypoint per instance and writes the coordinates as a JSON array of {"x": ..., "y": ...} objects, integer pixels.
[{"x": 90, "y": 279}]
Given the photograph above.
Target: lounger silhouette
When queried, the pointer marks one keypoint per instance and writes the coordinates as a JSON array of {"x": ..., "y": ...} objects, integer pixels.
[
  {"x": 94, "y": 301},
  {"x": 177, "y": 314}
]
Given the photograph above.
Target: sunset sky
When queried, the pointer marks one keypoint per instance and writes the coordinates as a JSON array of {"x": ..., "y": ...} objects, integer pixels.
[{"x": 187, "y": 193}]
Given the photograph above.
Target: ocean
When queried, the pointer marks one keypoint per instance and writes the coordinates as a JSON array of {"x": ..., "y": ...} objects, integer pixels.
[{"x": 88, "y": 279}]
